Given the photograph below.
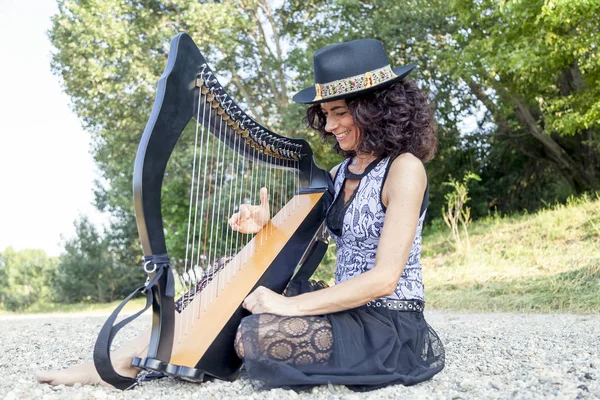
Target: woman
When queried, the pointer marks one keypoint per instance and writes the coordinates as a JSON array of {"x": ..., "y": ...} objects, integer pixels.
[{"x": 368, "y": 330}]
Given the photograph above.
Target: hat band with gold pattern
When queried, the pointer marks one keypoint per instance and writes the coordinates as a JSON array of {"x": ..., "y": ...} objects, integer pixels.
[{"x": 353, "y": 83}]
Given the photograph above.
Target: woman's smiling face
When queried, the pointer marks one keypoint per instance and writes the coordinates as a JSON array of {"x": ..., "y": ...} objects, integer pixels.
[{"x": 341, "y": 124}]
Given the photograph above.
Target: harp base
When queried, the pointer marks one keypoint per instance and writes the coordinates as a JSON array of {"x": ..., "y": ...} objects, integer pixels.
[{"x": 172, "y": 370}]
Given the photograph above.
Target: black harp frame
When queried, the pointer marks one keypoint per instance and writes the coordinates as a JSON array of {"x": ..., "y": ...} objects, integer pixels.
[{"x": 185, "y": 83}]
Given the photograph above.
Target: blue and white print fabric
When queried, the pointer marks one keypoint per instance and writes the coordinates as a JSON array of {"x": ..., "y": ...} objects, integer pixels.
[{"x": 361, "y": 230}]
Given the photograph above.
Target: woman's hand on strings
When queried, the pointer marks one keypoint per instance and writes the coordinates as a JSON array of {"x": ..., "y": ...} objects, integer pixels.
[
  {"x": 251, "y": 219},
  {"x": 264, "y": 300}
]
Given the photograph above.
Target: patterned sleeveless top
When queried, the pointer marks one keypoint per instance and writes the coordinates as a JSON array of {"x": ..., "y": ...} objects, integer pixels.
[{"x": 361, "y": 224}]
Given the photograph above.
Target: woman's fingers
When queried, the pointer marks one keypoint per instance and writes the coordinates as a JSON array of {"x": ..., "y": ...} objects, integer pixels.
[
  {"x": 234, "y": 221},
  {"x": 249, "y": 218},
  {"x": 241, "y": 221},
  {"x": 264, "y": 197},
  {"x": 254, "y": 302},
  {"x": 245, "y": 211}
]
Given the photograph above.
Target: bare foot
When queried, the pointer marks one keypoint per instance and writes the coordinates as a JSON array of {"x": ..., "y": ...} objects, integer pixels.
[{"x": 84, "y": 373}]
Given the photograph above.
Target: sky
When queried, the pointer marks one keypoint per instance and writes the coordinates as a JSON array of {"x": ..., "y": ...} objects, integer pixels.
[{"x": 46, "y": 170}]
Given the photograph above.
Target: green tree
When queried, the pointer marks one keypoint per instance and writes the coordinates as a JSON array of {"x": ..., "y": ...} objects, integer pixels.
[
  {"x": 25, "y": 278},
  {"x": 525, "y": 71},
  {"x": 110, "y": 55},
  {"x": 531, "y": 64},
  {"x": 90, "y": 271}
]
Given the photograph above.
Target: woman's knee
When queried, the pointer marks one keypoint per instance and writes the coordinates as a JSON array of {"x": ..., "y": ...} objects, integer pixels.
[
  {"x": 251, "y": 334},
  {"x": 244, "y": 331},
  {"x": 238, "y": 343}
]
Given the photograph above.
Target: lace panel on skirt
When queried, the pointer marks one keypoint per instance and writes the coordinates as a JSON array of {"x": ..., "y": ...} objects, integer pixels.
[{"x": 290, "y": 340}]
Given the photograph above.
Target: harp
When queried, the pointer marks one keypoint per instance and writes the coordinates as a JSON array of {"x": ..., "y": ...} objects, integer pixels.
[{"x": 220, "y": 268}]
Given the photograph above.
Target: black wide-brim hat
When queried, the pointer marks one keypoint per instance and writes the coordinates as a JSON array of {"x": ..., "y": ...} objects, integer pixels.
[{"x": 349, "y": 69}]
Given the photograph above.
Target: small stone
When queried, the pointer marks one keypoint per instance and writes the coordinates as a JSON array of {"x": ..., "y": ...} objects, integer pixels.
[
  {"x": 589, "y": 376},
  {"x": 583, "y": 387},
  {"x": 99, "y": 394},
  {"x": 465, "y": 385}
]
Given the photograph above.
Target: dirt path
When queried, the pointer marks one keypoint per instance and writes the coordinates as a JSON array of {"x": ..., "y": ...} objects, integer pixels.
[{"x": 488, "y": 356}]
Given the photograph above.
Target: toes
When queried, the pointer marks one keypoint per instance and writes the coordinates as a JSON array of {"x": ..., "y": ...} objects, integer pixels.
[{"x": 43, "y": 377}]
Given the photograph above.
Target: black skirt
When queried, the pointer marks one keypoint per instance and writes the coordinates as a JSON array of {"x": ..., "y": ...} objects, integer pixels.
[{"x": 364, "y": 348}]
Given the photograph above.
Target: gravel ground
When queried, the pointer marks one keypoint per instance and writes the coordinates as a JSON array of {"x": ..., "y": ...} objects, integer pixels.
[{"x": 488, "y": 356}]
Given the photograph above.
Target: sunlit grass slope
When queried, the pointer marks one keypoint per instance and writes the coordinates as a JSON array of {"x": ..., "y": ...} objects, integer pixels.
[{"x": 546, "y": 262}]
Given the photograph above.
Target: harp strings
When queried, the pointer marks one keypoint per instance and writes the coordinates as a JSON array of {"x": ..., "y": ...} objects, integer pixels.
[
  {"x": 233, "y": 199},
  {"x": 223, "y": 179},
  {"x": 193, "y": 272}
]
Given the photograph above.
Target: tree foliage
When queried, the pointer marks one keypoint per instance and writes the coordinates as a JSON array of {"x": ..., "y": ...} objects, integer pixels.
[
  {"x": 25, "y": 278},
  {"x": 89, "y": 271},
  {"x": 534, "y": 67},
  {"x": 514, "y": 85},
  {"x": 110, "y": 55}
]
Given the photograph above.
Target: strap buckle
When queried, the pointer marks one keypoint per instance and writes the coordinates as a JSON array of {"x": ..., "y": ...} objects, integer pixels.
[{"x": 148, "y": 270}]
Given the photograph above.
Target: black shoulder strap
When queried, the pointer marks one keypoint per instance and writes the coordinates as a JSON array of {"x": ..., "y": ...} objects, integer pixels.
[
  {"x": 321, "y": 243},
  {"x": 102, "y": 360},
  {"x": 311, "y": 262}
]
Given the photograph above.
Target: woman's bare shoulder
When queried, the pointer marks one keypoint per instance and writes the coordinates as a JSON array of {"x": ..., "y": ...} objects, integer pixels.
[
  {"x": 407, "y": 162},
  {"x": 406, "y": 175}
]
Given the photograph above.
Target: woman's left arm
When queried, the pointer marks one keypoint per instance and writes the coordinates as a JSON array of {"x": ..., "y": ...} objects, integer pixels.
[{"x": 403, "y": 192}]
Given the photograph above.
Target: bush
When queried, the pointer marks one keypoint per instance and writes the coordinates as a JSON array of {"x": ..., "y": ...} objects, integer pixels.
[
  {"x": 25, "y": 278},
  {"x": 89, "y": 271}
]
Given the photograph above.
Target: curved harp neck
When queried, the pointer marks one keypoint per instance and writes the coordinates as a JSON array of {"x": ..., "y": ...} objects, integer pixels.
[{"x": 189, "y": 89}]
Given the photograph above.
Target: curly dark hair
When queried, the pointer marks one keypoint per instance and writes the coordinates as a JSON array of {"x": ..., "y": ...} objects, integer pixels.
[{"x": 391, "y": 121}]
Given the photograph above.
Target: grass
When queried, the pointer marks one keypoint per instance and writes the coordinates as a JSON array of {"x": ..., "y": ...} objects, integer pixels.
[
  {"x": 133, "y": 305},
  {"x": 543, "y": 262}
]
